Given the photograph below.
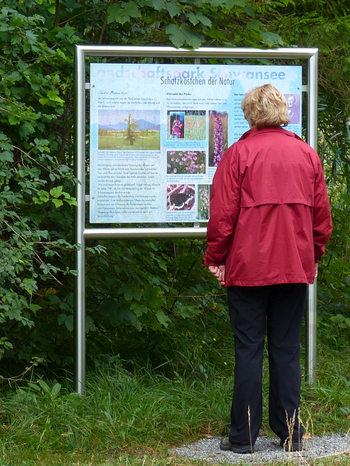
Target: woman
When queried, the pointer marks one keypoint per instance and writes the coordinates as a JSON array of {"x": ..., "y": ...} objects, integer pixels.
[{"x": 269, "y": 223}]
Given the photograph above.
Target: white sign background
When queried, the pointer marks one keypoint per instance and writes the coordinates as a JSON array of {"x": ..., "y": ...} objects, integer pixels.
[{"x": 158, "y": 131}]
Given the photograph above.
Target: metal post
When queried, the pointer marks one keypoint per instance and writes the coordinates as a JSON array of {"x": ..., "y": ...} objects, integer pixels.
[
  {"x": 311, "y": 317},
  {"x": 311, "y": 333},
  {"x": 80, "y": 221}
]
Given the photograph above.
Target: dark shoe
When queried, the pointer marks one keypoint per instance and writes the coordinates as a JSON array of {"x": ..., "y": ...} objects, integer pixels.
[
  {"x": 296, "y": 445},
  {"x": 226, "y": 445}
]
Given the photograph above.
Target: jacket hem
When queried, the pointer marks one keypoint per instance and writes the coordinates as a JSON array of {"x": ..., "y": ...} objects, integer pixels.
[{"x": 268, "y": 282}]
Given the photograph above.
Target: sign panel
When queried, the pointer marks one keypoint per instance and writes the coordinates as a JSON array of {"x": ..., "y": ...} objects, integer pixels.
[{"x": 157, "y": 133}]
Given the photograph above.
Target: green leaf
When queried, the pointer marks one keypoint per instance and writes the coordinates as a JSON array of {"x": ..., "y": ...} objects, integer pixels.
[
  {"x": 25, "y": 129},
  {"x": 57, "y": 191},
  {"x": 122, "y": 13},
  {"x": 34, "y": 307},
  {"x": 193, "y": 39},
  {"x": 54, "y": 97},
  {"x": 139, "y": 309},
  {"x": 30, "y": 285},
  {"x": 204, "y": 20},
  {"x": 183, "y": 34},
  {"x": 254, "y": 24},
  {"x": 57, "y": 202},
  {"x": 115, "y": 14},
  {"x": 13, "y": 119},
  {"x": 130, "y": 292},
  {"x": 13, "y": 76},
  {"x": 187, "y": 311},
  {"x": 44, "y": 386},
  {"x": 6, "y": 156},
  {"x": 152, "y": 296},
  {"x": 42, "y": 197},
  {"x": 271, "y": 39},
  {"x": 131, "y": 9},
  {"x": 5, "y": 344},
  {"x": 158, "y": 4},
  {"x": 162, "y": 318},
  {"x": 67, "y": 321},
  {"x": 250, "y": 11},
  {"x": 173, "y": 9},
  {"x": 31, "y": 37},
  {"x": 193, "y": 18},
  {"x": 34, "y": 387},
  {"x": 56, "y": 388},
  {"x": 175, "y": 35}
]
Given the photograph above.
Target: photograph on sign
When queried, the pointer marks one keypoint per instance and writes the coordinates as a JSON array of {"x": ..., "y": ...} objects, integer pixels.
[
  {"x": 129, "y": 130},
  {"x": 158, "y": 132}
]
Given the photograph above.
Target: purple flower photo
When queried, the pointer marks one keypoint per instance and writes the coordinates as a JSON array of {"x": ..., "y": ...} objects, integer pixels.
[
  {"x": 203, "y": 201},
  {"x": 176, "y": 124},
  {"x": 187, "y": 124},
  {"x": 218, "y": 129},
  {"x": 187, "y": 162},
  {"x": 293, "y": 104}
]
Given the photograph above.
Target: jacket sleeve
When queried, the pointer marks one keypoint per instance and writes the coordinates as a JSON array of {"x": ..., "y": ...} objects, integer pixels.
[
  {"x": 224, "y": 208},
  {"x": 322, "y": 220}
]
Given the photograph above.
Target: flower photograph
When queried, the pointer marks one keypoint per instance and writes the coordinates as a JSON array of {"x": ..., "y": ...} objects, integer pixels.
[
  {"x": 293, "y": 104},
  {"x": 203, "y": 201},
  {"x": 187, "y": 124},
  {"x": 176, "y": 125},
  {"x": 188, "y": 162},
  {"x": 218, "y": 136}
]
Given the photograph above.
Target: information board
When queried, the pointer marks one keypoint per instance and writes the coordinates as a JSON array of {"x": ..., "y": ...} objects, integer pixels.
[{"x": 158, "y": 131}]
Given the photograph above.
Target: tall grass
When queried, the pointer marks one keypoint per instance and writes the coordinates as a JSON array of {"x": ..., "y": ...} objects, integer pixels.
[
  {"x": 120, "y": 412},
  {"x": 134, "y": 416}
]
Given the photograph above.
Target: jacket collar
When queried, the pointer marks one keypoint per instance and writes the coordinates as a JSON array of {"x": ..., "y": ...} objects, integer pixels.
[{"x": 270, "y": 129}]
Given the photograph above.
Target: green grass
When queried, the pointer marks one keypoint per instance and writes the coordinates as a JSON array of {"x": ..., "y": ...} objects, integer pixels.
[
  {"x": 195, "y": 127},
  {"x": 135, "y": 417},
  {"x": 117, "y": 141}
]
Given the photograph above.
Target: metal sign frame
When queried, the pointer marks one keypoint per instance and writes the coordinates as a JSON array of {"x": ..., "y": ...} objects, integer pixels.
[{"x": 83, "y": 234}]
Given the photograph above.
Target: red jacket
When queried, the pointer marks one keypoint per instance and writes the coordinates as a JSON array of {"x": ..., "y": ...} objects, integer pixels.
[{"x": 269, "y": 211}]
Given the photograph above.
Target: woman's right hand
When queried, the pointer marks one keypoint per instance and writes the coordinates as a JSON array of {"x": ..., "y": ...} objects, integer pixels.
[{"x": 219, "y": 273}]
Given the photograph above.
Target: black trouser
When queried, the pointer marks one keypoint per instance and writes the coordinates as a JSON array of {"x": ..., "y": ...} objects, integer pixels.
[{"x": 280, "y": 310}]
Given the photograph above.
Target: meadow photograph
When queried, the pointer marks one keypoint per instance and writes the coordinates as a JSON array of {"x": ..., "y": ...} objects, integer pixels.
[{"x": 129, "y": 129}]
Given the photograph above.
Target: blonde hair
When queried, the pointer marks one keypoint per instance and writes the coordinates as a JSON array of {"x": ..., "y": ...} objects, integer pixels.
[{"x": 265, "y": 106}]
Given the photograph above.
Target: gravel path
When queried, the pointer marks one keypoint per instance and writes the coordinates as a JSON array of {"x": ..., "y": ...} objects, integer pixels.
[{"x": 267, "y": 449}]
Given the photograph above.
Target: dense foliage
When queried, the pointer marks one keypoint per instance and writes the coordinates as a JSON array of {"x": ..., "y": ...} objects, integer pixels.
[
  {"x": 139, "y": 293},
  {"x": 36, "y": 177}
]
